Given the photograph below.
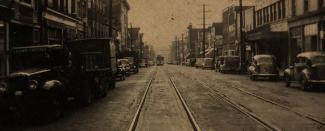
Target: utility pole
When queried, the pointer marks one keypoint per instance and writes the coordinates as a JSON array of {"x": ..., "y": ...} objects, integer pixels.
[
  {"x": 203, "y": 48},
  {"x": 242, "y": 43},
  {"x": 131, "y": 35}
]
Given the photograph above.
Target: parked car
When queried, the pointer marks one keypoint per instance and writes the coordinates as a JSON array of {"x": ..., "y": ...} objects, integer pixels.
[
  {"x": 228, "y": 64},
  {"x": 144, "y": 63},
  {"x": 125, "y": 64},
  {"x": 208, "y": 63},
  {"x": 308, "y": 70},
  {"x": 263, "y": 66},
  {"x": 199, "y": 63},
  {"x": 151, "y": 63},
  {"x": 121, "y": 70},
  {"x": 94, "y": 68},
  {"x": 134, "y": 64},
  {"x": 36, "y": 81}
]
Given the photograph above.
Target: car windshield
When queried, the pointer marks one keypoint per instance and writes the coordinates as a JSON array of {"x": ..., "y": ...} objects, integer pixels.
[
  {"x": 232, "y": 59},
  {"x": 265, "y": 60},
  {"x": 124, "y": 62},
  {"x": 27, "y": 60},
  {"x": 318, "y": 59}
]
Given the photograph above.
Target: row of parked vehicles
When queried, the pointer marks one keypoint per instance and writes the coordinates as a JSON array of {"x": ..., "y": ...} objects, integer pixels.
[
  {"x": 44, "y": 78},
  {"x": 308, "y": 69}
]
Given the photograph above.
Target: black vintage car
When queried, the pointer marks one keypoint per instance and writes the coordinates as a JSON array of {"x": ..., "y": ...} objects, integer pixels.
[
  {"x": 227, "y": 64},
  {"x": 37, "y": 78},
  {"x": 94, "y": 68},
  {"x": 263, "y": 66},
  {"x": 308, "y": 70}
]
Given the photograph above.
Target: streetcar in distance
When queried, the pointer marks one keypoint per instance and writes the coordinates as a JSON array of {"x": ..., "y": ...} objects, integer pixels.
[{"x": 160, "y": 60}]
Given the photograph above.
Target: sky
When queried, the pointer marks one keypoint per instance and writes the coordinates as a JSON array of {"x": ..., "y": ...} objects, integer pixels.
[{"x": 162, "y": 20}]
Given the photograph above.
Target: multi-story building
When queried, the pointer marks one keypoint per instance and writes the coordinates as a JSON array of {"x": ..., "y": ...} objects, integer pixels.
[
  {"x": 120, "y": 17},
  {"x": 214, "y": 34},
  {"x": 269, "y": 34},
  {"x": 136, "y": 40},
  {"x": 19, "y": 26},
  {"x": 192, "y": 42},
  {"x": 231, "y": 30},
  {"x": 62, "y": 20},
  {"x": 306, "y": 27}
]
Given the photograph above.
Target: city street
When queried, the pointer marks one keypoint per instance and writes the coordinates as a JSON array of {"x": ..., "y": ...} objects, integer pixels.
[{"x": 216, "y": 101}]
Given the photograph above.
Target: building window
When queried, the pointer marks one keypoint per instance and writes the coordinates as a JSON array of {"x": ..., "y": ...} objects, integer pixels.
[
  {"x": 274, "y": 12},
  {"x": 306, "y": 5},
  {"x": 283, "y": 8},
  {"x": 294, "y": 7},
  {"x": 2, "y": 55},
  {"x": 320, "y": 3},
  {"x": 271, "y": 13},
  {"x": 279, "y": 10}
]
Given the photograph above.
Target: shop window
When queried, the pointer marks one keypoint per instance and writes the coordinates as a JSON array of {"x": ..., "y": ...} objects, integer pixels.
[
  {"x": 2, "y": 55},
  {"x": 306, "y": 5}
]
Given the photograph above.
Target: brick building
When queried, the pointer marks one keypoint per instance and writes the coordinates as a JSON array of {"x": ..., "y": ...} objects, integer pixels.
[{"x": 306, "y": 27}]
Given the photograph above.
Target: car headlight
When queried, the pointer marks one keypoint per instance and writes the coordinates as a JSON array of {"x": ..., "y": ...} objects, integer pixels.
[
  {"x": 3, "y": 87},
  {"x": 33, "y": 84},
  {"x": 18, "y": 93}
]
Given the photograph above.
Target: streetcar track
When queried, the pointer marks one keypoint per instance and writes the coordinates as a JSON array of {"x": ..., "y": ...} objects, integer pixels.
[
  {"x": 135, "y": 120},
  {"x": 137, "y": 114},
  {"x": 240, "y": 108},
  {"x": 286, "y": 108},
  {"x": 305, "y": 115}
]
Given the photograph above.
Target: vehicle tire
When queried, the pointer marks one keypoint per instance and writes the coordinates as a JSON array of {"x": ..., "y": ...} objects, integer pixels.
[
  {"x": 86, "y": 95},
  {"x": 287, "y": 81},
  {"x": 305, "y": 86},
  {"x": 56, "y": 108},
  {"x": 123, "y": 77},
  {"x": 252, "y": 77},
  {"x": 112, "y": 84}
]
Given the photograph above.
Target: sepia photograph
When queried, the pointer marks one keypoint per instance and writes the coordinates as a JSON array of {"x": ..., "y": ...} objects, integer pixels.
[{"x": 162, "y": 65}]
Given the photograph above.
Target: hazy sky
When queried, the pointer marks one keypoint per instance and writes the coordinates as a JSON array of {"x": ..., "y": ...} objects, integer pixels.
[{"x": 154, "y": 17}]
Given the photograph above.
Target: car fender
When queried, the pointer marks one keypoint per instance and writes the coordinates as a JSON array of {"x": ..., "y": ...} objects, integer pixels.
[
  {"x": 52, "y": 84},
  {"x": 251, "y": 69},
  {"x": 288, "y": 72},
  {"x": 307, "y": 73}
]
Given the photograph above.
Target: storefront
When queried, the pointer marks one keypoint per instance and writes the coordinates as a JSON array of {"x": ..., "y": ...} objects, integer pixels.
[
  {"x": 307, "y": 37},
  {"x": 273, "y": 43},
  {"x": 3, "y": 48}
]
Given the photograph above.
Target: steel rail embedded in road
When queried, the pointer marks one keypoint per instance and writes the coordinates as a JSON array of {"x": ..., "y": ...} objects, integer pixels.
[
  {"x": 137, "y": 114},
  {"x": 308, "y": 116},
  {"x": 239, "y": 107},
  {"x": 187, "y": 109},
  {"x": 243, "y": 110}
]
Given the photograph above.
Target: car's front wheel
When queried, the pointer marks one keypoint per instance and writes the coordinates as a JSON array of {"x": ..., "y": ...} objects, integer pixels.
[
  {"x": 287, "y": 82},
  {"x": 305, "y": 85}
]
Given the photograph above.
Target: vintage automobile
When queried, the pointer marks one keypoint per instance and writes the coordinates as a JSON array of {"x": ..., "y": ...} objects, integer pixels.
[
  {"x": 125, "y": 64},
  {"x": 199, "y": 62},
  {"x": 207, "y": 63},
  {"x": 94, "y": 68},
  {"x": 121, "y": 70},
  {"x": 144, "y": 63},
  {"x": 151, "y": 63},
  {"x": 263, "y": 66},
  {"x": 37, "y": 80},
  {"x": 134, "y": 68},
  {"x": 308, "y": 70},
  {"x": 226, "y": 64}
]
